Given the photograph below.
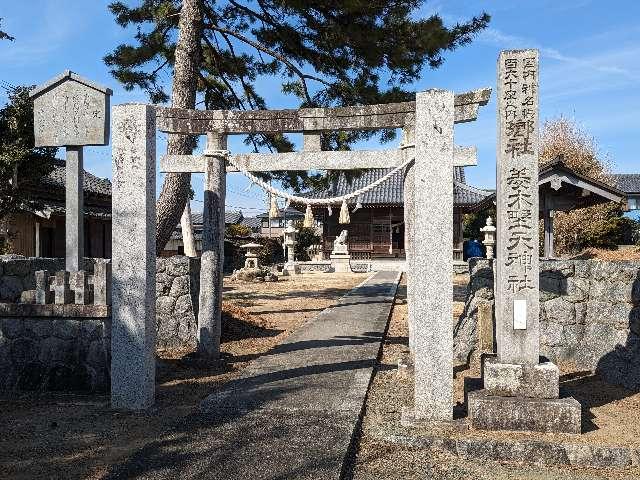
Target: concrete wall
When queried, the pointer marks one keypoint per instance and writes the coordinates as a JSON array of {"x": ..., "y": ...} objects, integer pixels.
[{"x": 589, "y": 315}]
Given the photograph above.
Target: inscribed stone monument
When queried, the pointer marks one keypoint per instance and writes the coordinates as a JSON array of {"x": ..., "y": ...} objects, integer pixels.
[
  {"x": 519, "y": 392},
  {"x": 517, "y": 290}
]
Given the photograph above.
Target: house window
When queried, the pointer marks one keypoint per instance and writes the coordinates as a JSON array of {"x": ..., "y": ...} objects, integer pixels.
[{"x": 634, "y": 203}]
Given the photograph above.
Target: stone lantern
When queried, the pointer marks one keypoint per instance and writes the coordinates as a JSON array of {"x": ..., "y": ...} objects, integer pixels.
[
  {"x": 289, "y": 244},
  {"x": 290, "y": 241},
  {"x": 251, "y": 257},
  {"x": 489, "y": 237}
]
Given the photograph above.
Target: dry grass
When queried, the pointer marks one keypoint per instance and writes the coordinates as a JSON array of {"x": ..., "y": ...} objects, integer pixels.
[
  {"x": 70, "y": 436},
  {"x": 631, "y": 253}
]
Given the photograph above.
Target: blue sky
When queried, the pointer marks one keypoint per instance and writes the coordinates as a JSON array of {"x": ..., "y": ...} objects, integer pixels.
[{"x": 590, "y": 70}]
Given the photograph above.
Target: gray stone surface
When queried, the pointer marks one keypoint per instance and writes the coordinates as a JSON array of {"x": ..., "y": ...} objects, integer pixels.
[
  {"x": 70, "y": 111},
  {"x": 431, "y": 296},
  {"x": 59, "y": 285},
  {"x": 102, "y": 276},
  {"x": 53, "y": 310},
  {"x": 44, "y": 294},
  {"x": 340, "y": 262},
  {"x": 177, "y": 291},
  {"x": 557, "y": 415},
  {"x": 134, "y": 257},
  {"x": 43, "y": 354},
  {"x": 517, "y": 331},
  {"x": 212, "y": 257},
  {"x": 314, "y": 266},
  {"x": 409, "y": 213},
  {"x": 362, "y": 117},
  {"x": 517, "y": 380},
  {"x": 74, "y": 209},
  {"x": 79, "y": 285},
  {"x": 579, "y": 323},
  {"x": 18, "y": 273},
  {"x": 536, "y": 452},
  {"x": 325, "y": 160}
]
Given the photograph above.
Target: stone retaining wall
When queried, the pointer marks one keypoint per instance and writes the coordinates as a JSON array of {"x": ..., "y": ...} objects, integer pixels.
[
  {"x": 56, "y": 347},
  {"x": 17, "y": 273},
  {"x": 177, "y": 291},
  {"x": 48, "y": 353},
  {"x": 589, "y": 315}
]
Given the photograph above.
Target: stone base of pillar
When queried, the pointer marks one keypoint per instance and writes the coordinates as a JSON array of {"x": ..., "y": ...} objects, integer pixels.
[
  {"x": 514, "y": 380},
  {"x": 290, "y": 269},
  {"x": 341, "y": 262},
  {"x": 550, "y": 415},
  {"x": 409, "y": 419}
]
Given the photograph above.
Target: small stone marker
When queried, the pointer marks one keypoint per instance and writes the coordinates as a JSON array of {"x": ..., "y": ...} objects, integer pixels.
[
  {"x": 102, "y": 282},
  {"x": 79, "y": 285},
  {"x": 71, "y": 111},
  {"x": 517, "y": 282},
  {"x": 61, "y": 289},
  {"x": 44, "y": 295}
]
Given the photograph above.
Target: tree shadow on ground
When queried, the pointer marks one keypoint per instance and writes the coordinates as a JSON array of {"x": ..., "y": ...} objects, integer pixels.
[
  {"x": 234, "y": 328},
  {"x": 325, "y": 293}
]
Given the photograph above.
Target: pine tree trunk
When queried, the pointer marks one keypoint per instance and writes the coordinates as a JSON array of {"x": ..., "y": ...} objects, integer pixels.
[
  {"x": 177, "y": 186},
  {"x": 188, "y": 240}
]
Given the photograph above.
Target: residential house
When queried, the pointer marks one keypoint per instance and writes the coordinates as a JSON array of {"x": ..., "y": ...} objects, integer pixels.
[
  {"x": 41, "y": 232},
  {"x": 274, "y": 227},
  {"x": 629, "y": 183},
  {"x": 175, "y": 245}
]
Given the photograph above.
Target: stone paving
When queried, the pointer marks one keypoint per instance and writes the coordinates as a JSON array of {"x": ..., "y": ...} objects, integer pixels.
[{"x": 294, "y": 411}]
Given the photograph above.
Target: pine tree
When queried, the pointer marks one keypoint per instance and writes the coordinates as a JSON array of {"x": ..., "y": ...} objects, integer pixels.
[
  {"x": 21, "y": 165},
  {"x": 326, "y": 53},
  {"x": 5, "y": 35}
]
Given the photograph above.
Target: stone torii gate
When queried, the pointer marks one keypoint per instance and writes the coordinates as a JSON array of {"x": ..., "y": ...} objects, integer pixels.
[{"x": 428, "y": 125}]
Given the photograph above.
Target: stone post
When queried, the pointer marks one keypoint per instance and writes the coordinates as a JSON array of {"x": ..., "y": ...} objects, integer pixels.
[
  {"x": 74, "y": 217},
  {"x": 212, "y": 259},
  {"x": 432, "y": 267},
  {"x": 134, "y": 257},
  {"x": 79, "y": 284},
  {"x": 61, "y": 289},
  {"x": 44, "y": 295},
  {"x": 409, "y": 180},
  {"x": 102, "y": 282},
  {"x": 517, "y": 281}
]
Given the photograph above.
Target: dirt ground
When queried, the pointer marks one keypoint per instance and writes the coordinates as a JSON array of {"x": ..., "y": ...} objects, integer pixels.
[
  {"x": 72, "y": 436},
  {"x": 609, "y": 417}
]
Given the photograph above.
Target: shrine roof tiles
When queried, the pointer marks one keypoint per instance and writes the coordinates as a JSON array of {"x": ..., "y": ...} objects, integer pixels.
[
  {"x": 627, "y": 182},
  {"x": 391, "y": 192}
]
